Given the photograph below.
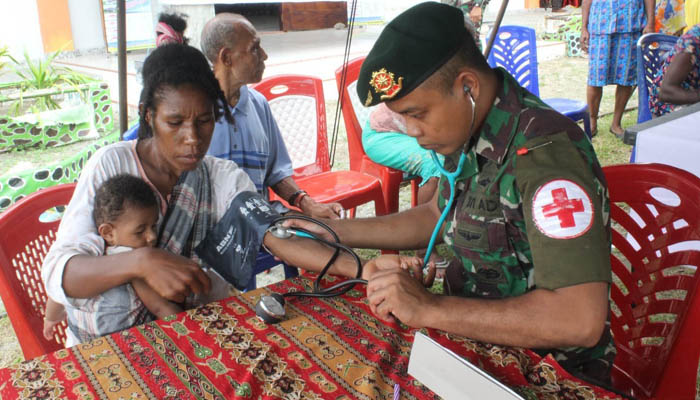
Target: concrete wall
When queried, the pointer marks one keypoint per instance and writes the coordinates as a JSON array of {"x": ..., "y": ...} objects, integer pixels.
[
  {"x": 86, "y": 24},
  {"x": 19, "y": 28},
  {"x": 55, "y": 26}
]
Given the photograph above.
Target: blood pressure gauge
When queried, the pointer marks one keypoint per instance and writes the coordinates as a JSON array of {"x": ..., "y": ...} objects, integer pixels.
[{"x": 271, "y": 308}]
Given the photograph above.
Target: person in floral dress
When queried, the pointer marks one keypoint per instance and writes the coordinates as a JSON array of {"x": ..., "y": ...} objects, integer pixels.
[{"x": 678, "y": 81}]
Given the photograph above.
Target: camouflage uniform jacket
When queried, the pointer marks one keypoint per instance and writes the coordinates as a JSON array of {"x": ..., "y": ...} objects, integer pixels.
[{"x": 526, "y": 219}]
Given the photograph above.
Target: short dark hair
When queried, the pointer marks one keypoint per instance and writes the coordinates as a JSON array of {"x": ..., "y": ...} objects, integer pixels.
[
  {"x": 174, "y": 65},
  {"x": 119, "y": 192},
  {"x": 468, "y": 55},
  {"x": 219, "y": 33},
  {"x": 177, "y": 21}
]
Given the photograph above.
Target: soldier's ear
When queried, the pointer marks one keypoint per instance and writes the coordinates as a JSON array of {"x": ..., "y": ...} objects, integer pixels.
[{"x": 469, "y": 79}]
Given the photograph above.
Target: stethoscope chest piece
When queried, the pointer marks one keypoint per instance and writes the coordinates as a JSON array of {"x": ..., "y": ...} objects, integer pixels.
[{"x": 270, "y": 308}]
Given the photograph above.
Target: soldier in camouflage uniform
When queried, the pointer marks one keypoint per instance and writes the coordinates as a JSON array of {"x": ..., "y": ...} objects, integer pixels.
[
  {"x": 523, "y": 150},
  {"x": 529, "y": 227}
]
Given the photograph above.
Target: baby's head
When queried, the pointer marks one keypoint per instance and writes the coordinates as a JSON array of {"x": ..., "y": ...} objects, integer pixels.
[{"x": 126, "y": 212}]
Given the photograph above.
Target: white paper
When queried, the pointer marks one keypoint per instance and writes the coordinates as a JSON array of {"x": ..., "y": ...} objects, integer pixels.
[
  {"x": 674, "y": 143},
  {"x": 451, "y": 376}
]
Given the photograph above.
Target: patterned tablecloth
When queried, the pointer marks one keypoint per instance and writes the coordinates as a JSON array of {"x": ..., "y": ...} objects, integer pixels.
[{"x": 325, "y": 349}]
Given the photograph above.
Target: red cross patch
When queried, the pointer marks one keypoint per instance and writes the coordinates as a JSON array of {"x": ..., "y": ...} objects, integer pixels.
[{"x": 562, "y": 209}]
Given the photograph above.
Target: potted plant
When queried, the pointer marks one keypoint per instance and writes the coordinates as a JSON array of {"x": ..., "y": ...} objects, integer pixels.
[{"x": 51, "y": 106}]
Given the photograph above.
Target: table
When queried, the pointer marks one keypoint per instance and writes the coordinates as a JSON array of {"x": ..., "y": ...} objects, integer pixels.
[
  {"x": 673, "y": 141},
  {"x": 631, "y": 132},
  {"x": 326, "y": 349}
]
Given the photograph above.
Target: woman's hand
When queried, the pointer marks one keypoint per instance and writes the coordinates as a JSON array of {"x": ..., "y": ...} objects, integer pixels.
[
  {"x": 171, "y": 276},
  {"x": 649, "y": 27},
  {"x": 585, "y": 37}
]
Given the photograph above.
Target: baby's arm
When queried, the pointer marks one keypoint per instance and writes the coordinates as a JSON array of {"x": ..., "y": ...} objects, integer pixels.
[
  {"x": 157, "y": 305},
  {"x": 54, "y": 314}
]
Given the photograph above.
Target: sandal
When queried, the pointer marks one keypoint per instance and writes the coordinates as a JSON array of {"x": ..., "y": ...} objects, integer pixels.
[
  {"x": 594, "y": 131},
  {"x": 618, "y": 135}
]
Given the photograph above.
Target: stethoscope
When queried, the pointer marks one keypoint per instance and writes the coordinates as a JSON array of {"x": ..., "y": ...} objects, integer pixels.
[
  {"x": 451, "y": 180},
  {"x": 270, "y": 308}
]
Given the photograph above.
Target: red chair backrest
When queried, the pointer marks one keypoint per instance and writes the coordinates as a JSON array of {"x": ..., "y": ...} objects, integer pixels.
[
  {"x": 24, "y": 241},
  {"x": 299, "y": 108},
  {"x": 351, "y": 106},
  {"x": 655, "y": 211}
]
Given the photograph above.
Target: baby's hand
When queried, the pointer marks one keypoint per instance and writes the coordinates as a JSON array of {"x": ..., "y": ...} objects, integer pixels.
[{"x": 49, "y": 327}]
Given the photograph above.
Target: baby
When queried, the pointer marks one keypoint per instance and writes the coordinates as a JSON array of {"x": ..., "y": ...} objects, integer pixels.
[{"x": 126, "y": 216}]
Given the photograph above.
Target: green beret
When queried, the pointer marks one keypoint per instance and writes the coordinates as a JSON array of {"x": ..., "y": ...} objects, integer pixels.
[{"x": 410, "y": 49}]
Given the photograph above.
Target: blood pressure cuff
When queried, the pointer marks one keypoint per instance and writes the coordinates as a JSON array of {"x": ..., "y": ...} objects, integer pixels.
[{"x": 231, "y": 246}]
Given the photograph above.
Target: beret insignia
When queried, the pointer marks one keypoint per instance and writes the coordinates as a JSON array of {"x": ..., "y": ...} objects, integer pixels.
[
  {"x": 383, "y": 82},
  {"x": 368, "y": 102}
]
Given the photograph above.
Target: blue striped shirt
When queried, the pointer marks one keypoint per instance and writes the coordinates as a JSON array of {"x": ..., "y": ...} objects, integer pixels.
[{"x": 254, "y": 142}]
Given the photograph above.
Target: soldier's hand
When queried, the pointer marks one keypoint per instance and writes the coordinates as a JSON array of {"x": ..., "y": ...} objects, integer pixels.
[{"x": 394, "y": 294}]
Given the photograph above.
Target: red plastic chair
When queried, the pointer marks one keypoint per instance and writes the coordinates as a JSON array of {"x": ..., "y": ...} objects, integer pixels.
[
  {"x": 355, "y": 116},
  {"x": 25, "y": 238},
  {"x": 655, "y": 210},
  {"x": 298, "y": 105}
]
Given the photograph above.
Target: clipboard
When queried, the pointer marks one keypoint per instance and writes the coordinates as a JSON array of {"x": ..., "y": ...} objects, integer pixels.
[{"x": 451, "y": 376}]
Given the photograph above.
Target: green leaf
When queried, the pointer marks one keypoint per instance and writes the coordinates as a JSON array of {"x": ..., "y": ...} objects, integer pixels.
[{"x": 41, "y": 74}]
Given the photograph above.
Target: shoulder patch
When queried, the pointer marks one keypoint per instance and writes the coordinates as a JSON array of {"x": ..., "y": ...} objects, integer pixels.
[{"x": 562, "y": 209}]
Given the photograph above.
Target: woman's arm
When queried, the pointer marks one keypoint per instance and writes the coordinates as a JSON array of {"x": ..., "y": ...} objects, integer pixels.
[
  {"x": 671, "y": 90},
  {"x": 650, "y": 10},
  {"x": 171, "y": 276},
  {"x": 585, "y": 36},
  {"x": 75, "y": 266},
  {"x": 310, "y": 255}
]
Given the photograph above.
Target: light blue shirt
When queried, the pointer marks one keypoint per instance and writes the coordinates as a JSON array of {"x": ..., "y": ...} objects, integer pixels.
[{"x": 254, "y": 141}]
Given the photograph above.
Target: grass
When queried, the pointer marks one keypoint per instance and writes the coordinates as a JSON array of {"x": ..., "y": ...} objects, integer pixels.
[{"x": 10, "y": 353}]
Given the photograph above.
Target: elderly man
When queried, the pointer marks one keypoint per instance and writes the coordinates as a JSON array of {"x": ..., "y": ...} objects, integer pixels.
[
  {"x": 254, "y": 142},
  {"x": 529, "y": 223}
]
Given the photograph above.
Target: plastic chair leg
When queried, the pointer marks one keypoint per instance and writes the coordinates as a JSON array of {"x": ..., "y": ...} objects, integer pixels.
[{"x": 414, "y": 192}]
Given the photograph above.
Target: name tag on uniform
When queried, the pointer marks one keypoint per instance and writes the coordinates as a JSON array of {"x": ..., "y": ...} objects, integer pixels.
[{"x": 451, "y": 376}]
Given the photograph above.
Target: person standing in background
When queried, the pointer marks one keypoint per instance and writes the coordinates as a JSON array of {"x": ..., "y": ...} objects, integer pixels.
[
  {"x": 609, "y": 32},
  {"x": 555, "y": 5}
]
